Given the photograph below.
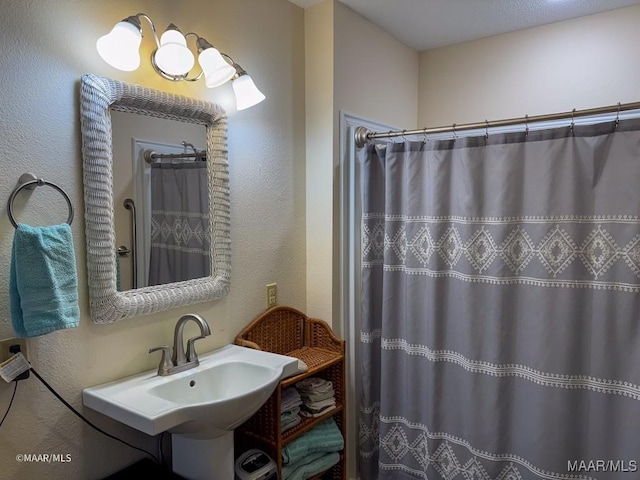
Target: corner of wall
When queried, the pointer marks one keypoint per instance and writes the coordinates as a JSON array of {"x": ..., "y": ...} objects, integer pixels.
[{"x": 319, "y": 101}]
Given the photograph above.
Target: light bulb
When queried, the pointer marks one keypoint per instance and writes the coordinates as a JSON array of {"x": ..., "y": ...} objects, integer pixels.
[
  {"x": 173, "y": 56},
  {"x": 247, "y": 94},
  {"x": 216, "y": 70},
  {"x": 119, "y": 48}
]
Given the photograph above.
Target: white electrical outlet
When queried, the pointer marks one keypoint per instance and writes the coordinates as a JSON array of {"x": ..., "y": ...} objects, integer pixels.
[{"x": 272, "y": 295}]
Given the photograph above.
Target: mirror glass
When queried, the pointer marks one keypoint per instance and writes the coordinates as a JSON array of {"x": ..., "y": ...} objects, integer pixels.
[
  {"x": 181, "y": 202},
  {"x": 161, "y": 200}
]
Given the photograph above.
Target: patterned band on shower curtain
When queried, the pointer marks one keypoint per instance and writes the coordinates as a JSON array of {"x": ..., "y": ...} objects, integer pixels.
[
  {"x": 180, "y": 235},
  {"x": 500, "y": 330}
]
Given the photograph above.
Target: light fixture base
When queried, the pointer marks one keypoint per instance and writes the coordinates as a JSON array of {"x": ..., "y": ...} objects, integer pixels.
[{"x": 162, "y": 73}]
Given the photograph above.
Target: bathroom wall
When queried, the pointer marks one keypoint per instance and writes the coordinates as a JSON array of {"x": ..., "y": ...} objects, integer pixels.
[
  {"x": 45, "y": 47},
  {"x": 582, "y": 63},
  {"x": 354, "y": 67}
]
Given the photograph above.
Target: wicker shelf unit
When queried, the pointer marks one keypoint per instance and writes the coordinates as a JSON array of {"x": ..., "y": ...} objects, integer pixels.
[{"x": 288, "y": 331}]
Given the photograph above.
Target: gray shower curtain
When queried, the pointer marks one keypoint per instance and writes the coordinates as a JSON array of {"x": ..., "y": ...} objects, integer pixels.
[
  {"x": 180, "y": 235},
  {"x": 500, "y": 332}
]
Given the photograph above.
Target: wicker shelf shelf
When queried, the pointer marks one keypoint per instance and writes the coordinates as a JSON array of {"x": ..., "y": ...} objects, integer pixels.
[
  {"x": 316, "y": 360},
  {"x": 287, "y": 331},
  {"x": 307, "y": 424}
]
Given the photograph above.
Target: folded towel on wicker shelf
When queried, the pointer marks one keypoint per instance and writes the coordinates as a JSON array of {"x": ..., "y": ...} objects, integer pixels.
[
  {"x": 289, "y": 414},
  {"x": 290, "y": 408},
  {"x": 321, "y": 405},
  {"x": 317, "y": 397},
  {"x": 314, "y": 385},
  {"x": 324, "y": 437},
  {"x": 317, "y": 409},
  {"x": 310, "y": 465},
  {"x": 316, "y": 414},
  {"x": 290, "y": 422},
  {"x": 290, "y": 399}
]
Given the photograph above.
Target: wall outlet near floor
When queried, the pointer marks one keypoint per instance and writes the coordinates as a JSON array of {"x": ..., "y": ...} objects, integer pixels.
[
  {"x": 272, "y": 295},
  {"x": 8, "y": 348}
]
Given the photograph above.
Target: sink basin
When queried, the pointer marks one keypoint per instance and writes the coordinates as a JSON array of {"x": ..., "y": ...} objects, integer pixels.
[
  {"x": 205, "y": 402},
  {"x": 223, "y": 381}
]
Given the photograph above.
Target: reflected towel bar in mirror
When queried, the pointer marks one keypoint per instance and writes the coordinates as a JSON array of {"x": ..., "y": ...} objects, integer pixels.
[{"x": 29, "y": 181}]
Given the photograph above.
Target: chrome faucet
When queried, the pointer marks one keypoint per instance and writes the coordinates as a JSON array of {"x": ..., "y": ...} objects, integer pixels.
[{"x": 174, "y": 359}]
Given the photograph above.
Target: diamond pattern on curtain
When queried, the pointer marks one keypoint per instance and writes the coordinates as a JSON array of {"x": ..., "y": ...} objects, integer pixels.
[{"x": 180, "y": 231}]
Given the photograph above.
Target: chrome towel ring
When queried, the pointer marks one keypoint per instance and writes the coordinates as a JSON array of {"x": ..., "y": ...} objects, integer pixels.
[{"x": 29, "y": 181}]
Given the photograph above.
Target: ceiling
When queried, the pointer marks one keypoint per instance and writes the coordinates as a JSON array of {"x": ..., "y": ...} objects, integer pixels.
[{"x": 427, "y": 24}]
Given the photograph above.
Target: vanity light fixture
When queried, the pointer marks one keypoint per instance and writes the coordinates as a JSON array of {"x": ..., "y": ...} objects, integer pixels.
[{"x": 173, "y": 60}]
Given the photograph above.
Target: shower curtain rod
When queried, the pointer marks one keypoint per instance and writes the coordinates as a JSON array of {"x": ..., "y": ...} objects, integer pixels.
[
  {"x": 150, "y": 156},
  {"x": 363, "y": 135}
]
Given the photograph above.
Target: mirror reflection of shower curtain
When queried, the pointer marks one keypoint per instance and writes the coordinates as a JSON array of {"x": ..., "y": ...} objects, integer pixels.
[{"x": 180, "y": 235}]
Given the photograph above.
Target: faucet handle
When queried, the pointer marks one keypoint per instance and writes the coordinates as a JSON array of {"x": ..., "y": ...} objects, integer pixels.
[
  {"x": 165, "y": 361},
  {"x": 192, "y": 356}
]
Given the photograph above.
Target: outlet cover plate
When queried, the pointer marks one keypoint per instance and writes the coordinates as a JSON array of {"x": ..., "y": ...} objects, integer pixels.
[{"x": 272, "y": 295}]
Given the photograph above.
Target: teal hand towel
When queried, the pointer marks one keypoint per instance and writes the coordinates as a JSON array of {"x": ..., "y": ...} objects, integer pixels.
[
  {"x": 309, "y": 466},
  {"x": 325, "y": 437},
  {"x": 43, "y": 283}
]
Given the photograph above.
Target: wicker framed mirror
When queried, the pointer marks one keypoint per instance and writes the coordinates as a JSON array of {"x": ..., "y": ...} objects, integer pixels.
[{"x": 98, "y": 97}]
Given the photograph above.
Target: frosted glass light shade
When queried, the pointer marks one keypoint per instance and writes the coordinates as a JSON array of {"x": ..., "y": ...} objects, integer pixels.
[
  {"x": 216, "y": 70},
  {"x": 173, "y": 56},
  {"x": 247, "y": 94},
  {"x": 119, "y": 48}
]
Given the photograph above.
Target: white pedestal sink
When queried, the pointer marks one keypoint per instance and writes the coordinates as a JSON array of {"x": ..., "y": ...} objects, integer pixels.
[{"x": 200, "y": 407}]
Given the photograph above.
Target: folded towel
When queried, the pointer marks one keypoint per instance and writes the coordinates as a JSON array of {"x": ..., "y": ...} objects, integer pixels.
[
  {"x": 289, "y": 413},
  {"x": 290, "y": 399},
  {"x": 317, "y": 406},
  {"x": 43, "y": 285},
  {"x": 290, "y": 392},
  {"x": 314, "y": 385},
  {"x": 316, "y": 397},
  {"x": 309, "y": 466},
  {"x": 324, "y": 437},
  {"x": 290, "y": 423},
  {"x": 316, "y": 413}
]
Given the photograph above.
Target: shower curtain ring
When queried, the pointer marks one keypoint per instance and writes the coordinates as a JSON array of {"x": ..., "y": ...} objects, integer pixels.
[
  {"x": 424, "y": 133},
  {"x": 486, "y": 129},
  {"x": 455, "y": 135},
  {"x": 526, "y": 125},
  {"x": 618, "y": 116},
  {"x": 403, "y": 132}
]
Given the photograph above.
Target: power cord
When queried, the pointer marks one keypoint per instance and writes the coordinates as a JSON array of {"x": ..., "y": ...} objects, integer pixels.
[
  {"x": 15, "y": 387},
  {"x": 66, "y": 404}
]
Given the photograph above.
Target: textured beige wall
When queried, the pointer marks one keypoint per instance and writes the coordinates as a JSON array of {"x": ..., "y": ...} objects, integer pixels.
[
  {"x": 376, "y": 76},
  {"x": 582, "y": 63},
  {"x": 45, "y": 47},
  {"x": 354, "y": 67},
  {"x": 319, "y": 78}
]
